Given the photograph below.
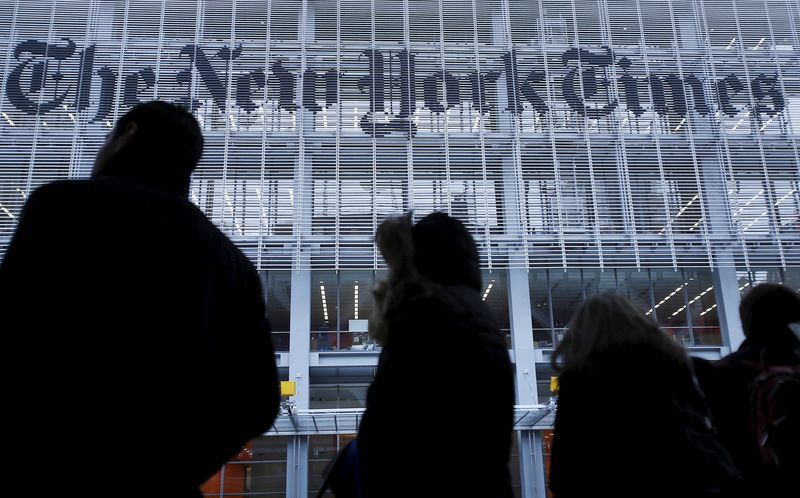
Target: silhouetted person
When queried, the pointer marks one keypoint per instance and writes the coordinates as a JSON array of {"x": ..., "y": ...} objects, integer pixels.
[
  {"x": 766, "y": 312},
  {"x": 137, "y": 329},
  {"x": 439, "y": 412},
  {"x": 630, "y": 420}
]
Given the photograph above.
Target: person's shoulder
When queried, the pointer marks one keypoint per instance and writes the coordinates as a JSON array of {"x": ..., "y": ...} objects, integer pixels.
[
  {"x": 469, "y": 318},
  {"x": 81, "y": 190},
  {"x": 644, "y": 365},
  {"x": 59, "y": 188},
  {"x": 704, "y": 371},
  {"x": 459, "y": 300},
  {"x": 227, "y": 248},
  {"x": 435, "y": 307},
  {"x": 51, "y": 198}
]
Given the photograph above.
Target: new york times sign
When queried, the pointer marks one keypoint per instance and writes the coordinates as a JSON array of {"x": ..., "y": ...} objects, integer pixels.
[{"x": 584, "y": 82}]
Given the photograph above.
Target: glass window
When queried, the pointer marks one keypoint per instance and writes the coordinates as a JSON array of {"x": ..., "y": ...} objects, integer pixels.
[
  {"x": 278, "y": 292},
  {"x": 635, "y": 285},
  {"x": 321, "y": 450},
  {"x": 669, "y": 310},
  {"x": 755, "y": 276},
  {"x": 597, "y": 281},
  {"x": 513, "y": 465},
  {"x": 338, "y": 396},
  {"x": 566, "y": 294},
  {"x": 788, "y": 276},
  {"x": 541, "y": 311},
  {"x": 702, "y": 307},
  {"x": 341, "y": 305},
  {"x": 791, "y": 278},
  {"x": 324, "y": 310},
  {"x": 495, "y": 295},
  {"x": 547, "y": 451},
  {"x": 682, "y": 302},
  {"x": 323, "y": 397},
  {"x": 355, "y": 299},
  {"x": 258, "y": 470}
]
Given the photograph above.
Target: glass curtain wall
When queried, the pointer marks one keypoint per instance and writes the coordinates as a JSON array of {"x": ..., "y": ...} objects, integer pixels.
[{"x": 682, "y": 302}]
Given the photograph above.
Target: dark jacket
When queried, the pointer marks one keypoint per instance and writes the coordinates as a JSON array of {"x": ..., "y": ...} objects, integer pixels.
[
  {"x": 728, "y": 386},
  {"x": 634, "y": 424},
  {"x": 137, "y": 352},
  {"x": 440, "y": 409}
]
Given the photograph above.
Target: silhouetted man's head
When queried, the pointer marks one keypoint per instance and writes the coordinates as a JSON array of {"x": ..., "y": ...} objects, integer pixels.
[
  {"x": 768, "y": 308},
  {"x": 154, "y": 140}
]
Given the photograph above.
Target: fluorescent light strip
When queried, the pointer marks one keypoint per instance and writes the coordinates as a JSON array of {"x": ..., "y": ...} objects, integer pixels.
[
  {"x": 355, "y": 299},
  {"x": 730, "y": 44},
  {"x": 8, "y": 119},
  {"x": 765, "y": 212},
  {"x": 703, "y": 313},
  {"x": 749, "y": 225},
  {"x": 786, "y": 196},
  {"x": 746, "y": 115},
  {"x": 681, "y": 211},
  {"x": 667, "y": 298},
  {"x": 324, "y": 300},
  {"x": 680, "y": 124},
  {"x": 261, "y": 203},
  {"x": 3, "y": 208},
  {"x": 487, "y": 291},
  {"x": 233, "y": 213},
  {"x": 759, "y": 43},
  {"x": 694, "y": 299},
  {"x": 749, "y": 202},
  {"x": 22, "y": 193}
]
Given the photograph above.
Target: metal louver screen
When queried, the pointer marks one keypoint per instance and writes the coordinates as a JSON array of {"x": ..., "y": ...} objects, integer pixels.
[{"x": 608, "y": 133}]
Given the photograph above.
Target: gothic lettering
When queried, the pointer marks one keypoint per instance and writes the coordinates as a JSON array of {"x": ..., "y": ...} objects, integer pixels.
[
  {"x": 36, "y": 86},
  {"x": 767, "y": 88},
  {"x": 374, "y": 85},
  {"x": 581, "y": 83},
  {"x": 727, "y": 88},
  {"x": 131, "y": 91},
  {"x": 22, "y": 98}
]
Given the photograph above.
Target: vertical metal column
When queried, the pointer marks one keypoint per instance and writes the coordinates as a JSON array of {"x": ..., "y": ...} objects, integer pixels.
[
  {"x": 529, "y": 443},
  {"x": 726, "y": 289},
  {"x": 717, "y": 214},
  {"x": 531, "y": 475},
  {"x": 299, "y": 346},
  {"x": 300, "y": 322}
]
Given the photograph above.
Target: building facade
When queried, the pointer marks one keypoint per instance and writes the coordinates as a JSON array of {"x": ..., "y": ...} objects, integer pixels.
[{"x": 647, "y": 147}]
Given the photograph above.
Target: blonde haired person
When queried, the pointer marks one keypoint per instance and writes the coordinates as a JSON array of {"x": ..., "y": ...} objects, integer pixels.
[
  {"x": 440, "y": 409},
  {"x": 631, "y": 421}
]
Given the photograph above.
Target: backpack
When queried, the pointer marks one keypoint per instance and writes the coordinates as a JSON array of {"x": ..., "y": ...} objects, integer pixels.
[
  {"x": 708, "y": 468},
  {"x": 775, "y": 415}
]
